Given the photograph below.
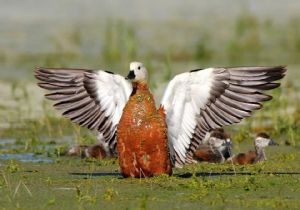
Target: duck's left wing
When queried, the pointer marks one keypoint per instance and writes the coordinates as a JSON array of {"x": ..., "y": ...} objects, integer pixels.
[
  {"x": 91, "y": 98},
  {"x": 198, "y": 101}
]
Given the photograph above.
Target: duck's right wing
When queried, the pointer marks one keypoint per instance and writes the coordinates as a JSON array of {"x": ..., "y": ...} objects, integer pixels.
[
  {"x": 196, "y": 102},
  {"x": 93, "y": 99}
]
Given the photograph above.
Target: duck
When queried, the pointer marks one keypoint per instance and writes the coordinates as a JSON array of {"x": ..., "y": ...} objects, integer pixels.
[
  {"x": 96, "y": 151},
  {"x": 152, "y": 141},
  {"x": 261, "y": 141},
  {"x": 76, "y": 150},
  {"x": 215, "y": 148}
]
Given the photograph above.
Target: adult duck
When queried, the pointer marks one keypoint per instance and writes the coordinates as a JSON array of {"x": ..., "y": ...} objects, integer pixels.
[{"x": 151, "y": 141}]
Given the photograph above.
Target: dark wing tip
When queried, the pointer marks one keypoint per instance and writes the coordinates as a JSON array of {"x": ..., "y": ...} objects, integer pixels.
[
  {"x": 109, "y": 72},
  {"x": 195, "y": 70},
  {"x": 267, "y": 97},
  {"x": 41, "y": 71},
  {"x": 281, "y": 69},
  {"x": 37, "y": 71},
  {"x": 45, "y": 85}
]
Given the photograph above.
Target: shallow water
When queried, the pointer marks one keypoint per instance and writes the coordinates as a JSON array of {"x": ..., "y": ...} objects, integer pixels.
[
  {"x": 26, "y": 158},
  {"x": 7, "y": 141},
  {"x": 8, "y": 145},
  {"x": 11, "y": 150}
]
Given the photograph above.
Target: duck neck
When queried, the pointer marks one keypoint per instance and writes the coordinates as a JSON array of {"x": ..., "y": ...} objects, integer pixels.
[
  {"x": 260, "y": 154},
  {"x": 227, "y": 153},
  {"x": 140, "y": 85}
]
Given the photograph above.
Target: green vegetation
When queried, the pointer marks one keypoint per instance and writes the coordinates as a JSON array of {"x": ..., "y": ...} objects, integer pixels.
[
  {"x": 245, "y": 41},
  {"x": 79, "y": 184}
]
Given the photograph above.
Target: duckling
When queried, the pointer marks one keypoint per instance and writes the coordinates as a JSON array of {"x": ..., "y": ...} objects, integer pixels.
[
  {"x": 151, "y": 141},
  {"x": 96, "y": 151},
  {"x": 216, "y": 147},
  {"x": 258, "y": 155},
  {"x": 77, "y": 150}
]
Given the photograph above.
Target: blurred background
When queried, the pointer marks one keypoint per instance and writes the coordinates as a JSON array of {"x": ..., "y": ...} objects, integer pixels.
[{"x": 169, "y": 36}]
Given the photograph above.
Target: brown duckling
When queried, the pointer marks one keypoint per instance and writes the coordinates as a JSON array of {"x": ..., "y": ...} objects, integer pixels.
[
  {"x": 216, "y": 147},
  {"x": 96, "y": 151},
  {"x": 254, "y": 156}
]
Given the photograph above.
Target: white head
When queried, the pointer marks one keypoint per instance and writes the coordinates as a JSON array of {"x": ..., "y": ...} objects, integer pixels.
[
  {"x": 219, "y": 139},
  {"x": 137, "y": 72},
  {"x": 262, "y": 140}
]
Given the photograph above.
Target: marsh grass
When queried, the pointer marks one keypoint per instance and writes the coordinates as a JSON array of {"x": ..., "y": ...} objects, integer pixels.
[
  {"x": 209, "y": 185},
  {"x": 247, "y": 40}
]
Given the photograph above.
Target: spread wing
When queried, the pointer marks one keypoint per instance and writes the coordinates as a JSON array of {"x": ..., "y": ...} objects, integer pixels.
[
  {"x": 93, "y": 99},
  {"x": 198, "y": 101}
]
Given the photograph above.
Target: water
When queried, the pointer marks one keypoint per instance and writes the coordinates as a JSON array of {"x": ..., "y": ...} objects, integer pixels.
[
  {"x": 7, "y": 145},
  {"x": 7, "y": 141},
  {"x": 26, "y": 157}
]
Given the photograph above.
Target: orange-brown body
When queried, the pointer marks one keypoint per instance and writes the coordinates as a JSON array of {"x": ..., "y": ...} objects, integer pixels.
[
  {"x": 142, "y": 136},
  {"x": 206, "y": 154},
  {"x": 245, "y": 158}
]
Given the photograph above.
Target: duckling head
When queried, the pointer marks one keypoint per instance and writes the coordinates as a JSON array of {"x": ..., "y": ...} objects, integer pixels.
[
  {"x": 228, "y": 143},
  {"x": 219, "y": 140},
  {"x": 137, "y": 72},
  {"x": 262, "y": 140}
]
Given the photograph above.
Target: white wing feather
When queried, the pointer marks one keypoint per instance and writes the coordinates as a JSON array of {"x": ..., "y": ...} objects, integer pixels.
[
  {"x": 113, "y": 92},
  {"x": 184, "y": 97}
]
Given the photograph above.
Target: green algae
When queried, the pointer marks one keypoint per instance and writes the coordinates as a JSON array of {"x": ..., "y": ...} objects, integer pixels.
[{"x": 74, "y": 183}]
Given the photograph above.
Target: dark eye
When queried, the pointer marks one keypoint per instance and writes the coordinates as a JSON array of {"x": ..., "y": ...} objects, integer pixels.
[{"x": 139, "y": 68}]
